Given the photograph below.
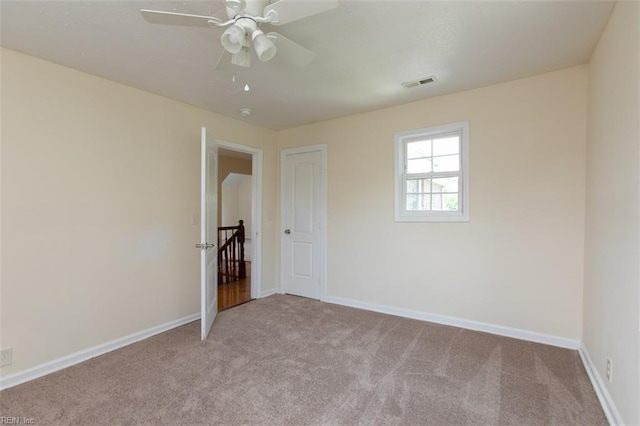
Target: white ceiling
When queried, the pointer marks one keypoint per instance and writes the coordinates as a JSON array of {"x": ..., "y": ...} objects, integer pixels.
[{"x": 365, "y": 50}]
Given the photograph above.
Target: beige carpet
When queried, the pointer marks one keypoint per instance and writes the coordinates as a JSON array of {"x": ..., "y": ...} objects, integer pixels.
[{"x": 289, "y": 360}]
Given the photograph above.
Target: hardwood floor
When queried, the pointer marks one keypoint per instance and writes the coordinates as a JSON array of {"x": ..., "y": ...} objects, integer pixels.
[{"x": 235, "y": 293}]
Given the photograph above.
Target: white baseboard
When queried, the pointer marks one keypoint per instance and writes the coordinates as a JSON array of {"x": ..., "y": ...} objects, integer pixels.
[
  {"x": 609, "y": 408},
  {"x": 500, "y": 330},
  {"x": 86, "y": 354},
  {"x": 269, "y": 292}
]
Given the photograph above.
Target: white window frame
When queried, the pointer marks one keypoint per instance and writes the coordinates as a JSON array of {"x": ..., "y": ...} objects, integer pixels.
[{"x": 401, "y": 139}]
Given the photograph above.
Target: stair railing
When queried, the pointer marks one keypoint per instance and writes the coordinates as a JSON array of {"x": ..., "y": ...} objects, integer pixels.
[{"x": 231, "y": 263}]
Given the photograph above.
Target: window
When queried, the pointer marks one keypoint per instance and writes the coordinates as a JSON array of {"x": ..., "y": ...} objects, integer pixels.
[{"x": 432, "y": 174}]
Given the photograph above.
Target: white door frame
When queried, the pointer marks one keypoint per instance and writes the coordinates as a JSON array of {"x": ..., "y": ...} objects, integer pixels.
[
  {"x": 256, "y": 212},
  {"x": 323, "y": 212}
]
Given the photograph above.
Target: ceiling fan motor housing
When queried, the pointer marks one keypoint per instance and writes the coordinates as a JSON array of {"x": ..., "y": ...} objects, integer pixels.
[
  {"x": 237, "y": 8},
  {"x": 247, "y": 24}
]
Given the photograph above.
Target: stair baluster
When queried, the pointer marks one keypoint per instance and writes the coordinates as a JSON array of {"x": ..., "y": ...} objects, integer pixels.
[{"x": 231, "y": 263}]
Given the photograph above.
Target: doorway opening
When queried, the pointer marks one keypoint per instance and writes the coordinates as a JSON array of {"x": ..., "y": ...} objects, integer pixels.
[{"x": 239, "y": 221}]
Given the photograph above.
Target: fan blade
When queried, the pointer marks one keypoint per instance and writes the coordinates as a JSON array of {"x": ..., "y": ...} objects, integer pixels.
[
  {"x": 292, "y": 10},
  {"x": 291, "y": 51},
  {"x": 224, "y": 62},
  {"x": 242, "y": 58},
  {"x": 171, "y": 18}
]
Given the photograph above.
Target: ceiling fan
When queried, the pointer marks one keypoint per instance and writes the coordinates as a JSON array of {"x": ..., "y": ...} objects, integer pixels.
[{"x": 243, "y": 28}]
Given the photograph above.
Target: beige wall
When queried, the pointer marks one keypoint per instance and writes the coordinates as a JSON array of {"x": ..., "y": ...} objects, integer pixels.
[
  {"x": 99, "y": 182},
  {"x": 228, "y": 165},
  {"x": 611, "y": 305},
  {"x": 519, "y": 261}
]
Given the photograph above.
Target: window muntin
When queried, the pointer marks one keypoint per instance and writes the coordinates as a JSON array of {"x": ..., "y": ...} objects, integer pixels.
[{"x": 431, "y": 179}]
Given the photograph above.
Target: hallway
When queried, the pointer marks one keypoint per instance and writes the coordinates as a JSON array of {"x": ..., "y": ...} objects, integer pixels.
[{"x": 235, "y": 293}]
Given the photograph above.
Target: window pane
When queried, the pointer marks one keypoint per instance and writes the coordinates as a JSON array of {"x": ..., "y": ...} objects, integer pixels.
[
  {"x": 413, "y": 202},
  {"x": 412, "y": 186},
  {"x": 419, "y": 165},
  {"x": 437, "y": 200},
  {"x": 451, "y": 202},
  {"x": 449, "y": 184},
  {"x": 419, "y": 149},
  {"x": 418, "y": 202},
  {"x": 416, "y": 186},
  {"x": 446, "y": 146},
  {"x": 425, "y": 202},
  {"x": 444, "y": 202},
  {"x": 449, "y": 163}
]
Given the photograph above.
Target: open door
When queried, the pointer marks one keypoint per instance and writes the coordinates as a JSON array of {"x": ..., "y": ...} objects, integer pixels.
[{"x": 208, "y": 233}]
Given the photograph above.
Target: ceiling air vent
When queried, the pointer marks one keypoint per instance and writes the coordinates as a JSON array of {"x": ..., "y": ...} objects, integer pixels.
[{"x": 420, "y": 82}]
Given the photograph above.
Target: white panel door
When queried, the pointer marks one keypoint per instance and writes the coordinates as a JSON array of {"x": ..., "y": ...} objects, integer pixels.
[
  {"x": 208, "y": 233},
  {"x": 302, "y": 221}
]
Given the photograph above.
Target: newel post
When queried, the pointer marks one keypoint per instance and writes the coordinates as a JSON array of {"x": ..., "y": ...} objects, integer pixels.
[{"x": 242, "y": 273}]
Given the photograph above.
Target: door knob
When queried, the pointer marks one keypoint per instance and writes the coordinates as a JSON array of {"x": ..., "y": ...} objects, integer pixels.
[
  {"x": 287, "y": 231},
  {"x": 204, "y": 246}
]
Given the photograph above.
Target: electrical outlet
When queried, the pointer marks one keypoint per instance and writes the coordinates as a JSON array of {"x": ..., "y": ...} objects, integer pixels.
[
  {"x": 609, "y": 371},
  {"x": 6, "y": 357}
]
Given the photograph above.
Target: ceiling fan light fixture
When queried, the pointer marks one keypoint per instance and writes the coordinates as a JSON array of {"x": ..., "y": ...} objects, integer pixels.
[
  {"x": 233, "y": 38},
  {"x": 264, "y": 47}
]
